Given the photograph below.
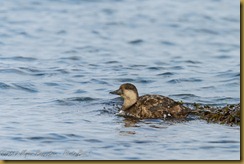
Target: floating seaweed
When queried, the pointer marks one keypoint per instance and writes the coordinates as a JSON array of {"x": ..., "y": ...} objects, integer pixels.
[{"x": 230, "y": 114}]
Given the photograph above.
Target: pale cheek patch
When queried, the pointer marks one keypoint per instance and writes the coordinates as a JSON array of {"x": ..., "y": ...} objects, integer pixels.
[
  {"x": 130, "y": 98},
  {"x": 130, "y": 95}
]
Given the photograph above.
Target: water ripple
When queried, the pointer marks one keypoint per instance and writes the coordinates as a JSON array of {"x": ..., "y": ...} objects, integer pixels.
[
  {"x": 224, "y": 141},
  {"x": 168, "y": 74},
  {"x": 193, "y": 62},
  {"x": 75, "y": 100},
  {"x": 26, "y": 87},
  {"x": 136, "y": 42},
  {"x": 155, "y": 68},
  {"x": 12, "y": 70},
  {"x": 19, "y": 58},
  {"x": 125, "y": 80},
  {"x": 51, "y": 137},
  {"x": 180, "y": 80},
  {"x": 112, "y": 62},
  {"x": 185, "y": 96},
  {"x": 177, "y": 67},
  {"x": 72, "y": 58},
  {"x": 33, "y": 71},
  {"x": 93, "y": 140},
  {"x": 4, "y": 85},
  {"x": 167, "y": 43}
]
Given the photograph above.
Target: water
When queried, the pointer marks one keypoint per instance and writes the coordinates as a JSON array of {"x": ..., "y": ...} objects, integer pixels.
[{"x": 60, "y": 58}]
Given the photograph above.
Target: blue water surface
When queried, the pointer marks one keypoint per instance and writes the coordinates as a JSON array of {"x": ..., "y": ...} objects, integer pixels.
[{"x": 59, "y": 59}]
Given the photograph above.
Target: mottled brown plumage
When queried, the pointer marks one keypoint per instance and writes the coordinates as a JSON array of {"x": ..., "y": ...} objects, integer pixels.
[{"x": 149, "y": 106}]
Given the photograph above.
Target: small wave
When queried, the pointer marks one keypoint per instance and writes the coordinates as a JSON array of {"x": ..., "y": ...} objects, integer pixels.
[
  {"x": 174, "y": 81},
  {"x": 80, "y": 91},
  {"x": 237, "y": 74},
  {"x": 225, "y": 50},
  {"x": 160, "y": 63},
  {"x": 173, "y": 25},
  {"x": 21, "y": 139},
  {"x": 144, "y": 81},
  {"x": 94, "y": 65},
  {"x": 180, "y": 80},
  {"x": 136, "y": 42},
  {"x": 127, "y": 133},
  {"x": 228, "y": 73},
  {"x": 93, "y": 140},
  {"x": 142, "y": 141},
  {"x": 193, "y": 62},
  {"x": 82, "y": 99},
  {"x": 226, "y": 99},
  {"x": 167, "y": 43},
  {"x": 99, "y": 81},
  {"x": 12, "y": 70},
  {"x": 4, "y": 85},
  {"x": 63, "y": 71},
  {"x": 108, "y": 11},
  {"x": 75, "y": 100},
  {"x": 32, "y": 71},
  {"x": 176, "y": 68},
  {"x": 74, "y": 58},
  {"x": 78, "y": 76},
  {"x": 214, "y": 101},
  {"x": 112, "y": 62},
  {"x": 223, "y": 57},
  {"x": 26, "y": 87},
  {"x": 19, "y": 58},
  {"x": 125, "y": 80},
  {"x": 113, "y": 101},
  {"x": 52, "y": 137},
  {"x": 224, "y": 141},
  {"x": 51, "y": 84},
  {"x": 185, "y": 96},
  {"x": 61, "y": 32},
  {"x": 38, "y": 138},
  {"x": 138, "y": 65},
  {"x": 206, "y": 31},
  {"x": 155, "y": 68},
  {"x": 208, "y": 87},
  {"x": 166, "y": 74},
  {"x": 74, "y": 135},
  {"x": 138, "y": 80},
  {"x": 231, "y": 80},
  {"x": 24, "y": 34},
  {"x": 231, "y": 19}
]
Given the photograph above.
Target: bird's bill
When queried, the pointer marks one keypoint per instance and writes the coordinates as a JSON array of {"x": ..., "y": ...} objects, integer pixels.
[{"x": 116, "y": 92}]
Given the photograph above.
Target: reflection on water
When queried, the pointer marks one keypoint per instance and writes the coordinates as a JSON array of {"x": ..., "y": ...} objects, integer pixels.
[{"x": 60, "y": 59}]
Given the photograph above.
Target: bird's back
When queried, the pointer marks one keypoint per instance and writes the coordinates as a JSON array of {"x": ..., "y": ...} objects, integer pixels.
[{"x": 157, "y": 106}]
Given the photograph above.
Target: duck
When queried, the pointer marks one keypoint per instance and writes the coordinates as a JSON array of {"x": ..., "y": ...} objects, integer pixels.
[{"x": 148, "y": 106}]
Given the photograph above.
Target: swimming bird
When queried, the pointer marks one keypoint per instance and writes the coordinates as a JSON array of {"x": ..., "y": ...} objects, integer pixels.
[{"x": 148, "y": 106}]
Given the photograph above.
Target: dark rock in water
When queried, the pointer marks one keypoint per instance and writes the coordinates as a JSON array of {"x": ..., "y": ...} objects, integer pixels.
[{"x": 230, "y": 114}]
